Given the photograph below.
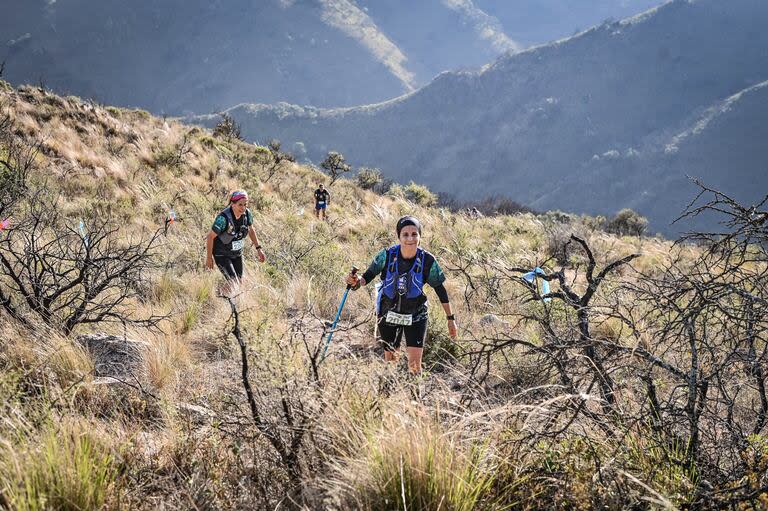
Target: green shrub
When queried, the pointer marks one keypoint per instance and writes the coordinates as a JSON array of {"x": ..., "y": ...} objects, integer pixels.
[
  {"x": 419, "y": 467},
  {"x": 627, "y": 223},
  {"x": 335, "y": 165},
  {"x": 439, "y": 348},
  {"x": 227, "y": 128},
  {"x": 588, "y": 472},
  {"x": 208, "y": 142},
  {"x": 369, "y": 179},
  {"x": 141, "y": 114},
  {"x": 420, "y": 194},
  {"x": 113, "y": 111},
  {"x": 66, "y": 469}
]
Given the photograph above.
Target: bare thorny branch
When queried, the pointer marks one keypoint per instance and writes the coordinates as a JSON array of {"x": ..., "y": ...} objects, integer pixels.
[
  {"x": 290, "y": 414},
  {"x": 52, "y": 271},
  {"x": 678, "y": 351}
]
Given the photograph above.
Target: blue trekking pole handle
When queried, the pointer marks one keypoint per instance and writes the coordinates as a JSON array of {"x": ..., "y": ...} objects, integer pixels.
[{"x": 338, "y": 315}]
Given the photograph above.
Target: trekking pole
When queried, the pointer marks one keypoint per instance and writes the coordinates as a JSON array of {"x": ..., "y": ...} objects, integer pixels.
[{"x": 338, "y": 314}]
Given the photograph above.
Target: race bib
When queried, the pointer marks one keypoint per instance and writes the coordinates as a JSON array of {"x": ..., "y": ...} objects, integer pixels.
[
  {"x": 393, "y": 318},
  {"x": 237, "y": 245},
  {"x": 321, "y": 203}
]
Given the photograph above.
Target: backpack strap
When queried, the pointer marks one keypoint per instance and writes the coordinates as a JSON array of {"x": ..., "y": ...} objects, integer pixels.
[
  {"x": 227, "y": 212},
  {"x": 392, "y": 259},
  {"x": 418, "y": 265}
]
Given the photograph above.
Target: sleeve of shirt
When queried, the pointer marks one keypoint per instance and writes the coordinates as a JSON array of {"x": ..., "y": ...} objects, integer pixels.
[
  {"x": 376, "y": 267},
  {"x": 436, "y": 276},
  {"x": 219, "y": 225},
  {"x": 442, "y": 294}
]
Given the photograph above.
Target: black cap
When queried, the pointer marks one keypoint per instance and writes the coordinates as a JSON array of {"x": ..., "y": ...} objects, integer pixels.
[{"x": 406, "y": 221}]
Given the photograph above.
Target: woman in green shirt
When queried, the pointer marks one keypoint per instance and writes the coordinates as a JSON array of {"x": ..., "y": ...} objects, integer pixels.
[{"x": 401, "y": 304}]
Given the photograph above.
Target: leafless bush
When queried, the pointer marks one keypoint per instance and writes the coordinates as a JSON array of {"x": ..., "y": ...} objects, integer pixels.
[
  {"x": 500, "y": 205},
  {"x": 17, "y": 159},
  {"x": 175, "y": 157},
  {"x": 278, "y": 158},
  {"x": 68, "y": 273},
  {"x": 287, "y": 403},
  {"x": 675, "y": 355},
  {"x": 557, "y": 237}
]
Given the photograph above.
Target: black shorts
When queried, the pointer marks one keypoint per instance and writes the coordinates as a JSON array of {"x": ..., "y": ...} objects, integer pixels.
[
  {"x": 391, "y": 335},
  {"x": 231, "y": 267}
]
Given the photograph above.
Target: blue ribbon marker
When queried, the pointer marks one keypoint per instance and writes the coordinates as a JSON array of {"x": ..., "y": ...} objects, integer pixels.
[
  {"x": 81, "y": 227},
  {"x": 531, "y": 277}
]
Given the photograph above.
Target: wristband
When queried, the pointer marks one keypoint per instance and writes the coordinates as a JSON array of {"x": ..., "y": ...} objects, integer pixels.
[
  {"x": 452, "y": 317},
  {"x": 257, "y": 247}
]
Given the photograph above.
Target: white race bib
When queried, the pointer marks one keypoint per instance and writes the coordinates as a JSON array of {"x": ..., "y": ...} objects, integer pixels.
[
  {"x": 237, "y": 245},
  {"x": 393, "y": 318},
  {"x": 321, "y": 203}
]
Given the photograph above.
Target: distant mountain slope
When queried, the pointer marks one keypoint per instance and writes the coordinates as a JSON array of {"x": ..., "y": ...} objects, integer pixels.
[
  {"x": 724, "y": 147},
  {"x": 531, "y": 22},
  {"x": 532, "y": 124},
  {"x": 198, "y": 56}
]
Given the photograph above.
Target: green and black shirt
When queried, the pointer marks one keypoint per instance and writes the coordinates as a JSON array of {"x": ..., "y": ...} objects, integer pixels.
[
  {"x": 236, "y": 232},
  {"x": 433, "y": 275}
]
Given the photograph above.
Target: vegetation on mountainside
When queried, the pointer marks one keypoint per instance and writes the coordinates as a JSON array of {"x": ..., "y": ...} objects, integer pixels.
[
  {"x": 335, "y": 165},
  {"x": 638, "y": 381}
]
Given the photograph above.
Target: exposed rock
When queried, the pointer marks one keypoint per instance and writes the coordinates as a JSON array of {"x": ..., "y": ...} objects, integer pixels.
[
  {"x": 114, "y": 356},
  {"x": 195, "y": 414},
  {"x": 493, "y": 320}
]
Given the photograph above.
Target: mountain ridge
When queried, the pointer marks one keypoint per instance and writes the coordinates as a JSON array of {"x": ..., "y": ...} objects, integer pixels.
[
  {"x": 528, "y": 121},
  {"x": 196, "y": 57}
]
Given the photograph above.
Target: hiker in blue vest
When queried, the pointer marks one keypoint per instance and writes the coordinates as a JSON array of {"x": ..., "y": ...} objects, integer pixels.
[
  {"x": 402, "y": 304},
  {"x": 322, "y": 199},
  {"x": 224, "y": 243}
]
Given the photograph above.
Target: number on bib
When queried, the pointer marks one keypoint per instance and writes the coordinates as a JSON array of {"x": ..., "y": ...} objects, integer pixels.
[{"x": 393, "y": 318}]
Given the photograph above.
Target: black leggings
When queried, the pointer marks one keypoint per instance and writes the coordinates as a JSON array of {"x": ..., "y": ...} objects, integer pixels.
[
  {"x": 391, "y": 335},
  {"x": 231, "y": 267}
]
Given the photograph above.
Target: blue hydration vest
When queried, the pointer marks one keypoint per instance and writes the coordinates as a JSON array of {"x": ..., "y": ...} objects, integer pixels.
[{"x": 409, "y": 285}]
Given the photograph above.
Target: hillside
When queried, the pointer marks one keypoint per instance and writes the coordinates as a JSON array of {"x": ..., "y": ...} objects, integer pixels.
[
  {"x": 610, "y": 392},
  {"x": 720, "y": 147},
  {"x": 179, "y": 57},
  {"x": 532, "y": 124}
]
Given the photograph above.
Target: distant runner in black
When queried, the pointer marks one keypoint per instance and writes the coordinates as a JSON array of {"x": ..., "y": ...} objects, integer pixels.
[
  {"x": 322, "y": 199},
  {"x": 224, "y": 243},
  {"x": 401, "y": 303}
]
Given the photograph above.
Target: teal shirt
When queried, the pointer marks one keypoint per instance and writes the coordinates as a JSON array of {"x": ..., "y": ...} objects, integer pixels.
[
  {"x": 434, "y": 276},
  {"x": 220, "y": 225}
]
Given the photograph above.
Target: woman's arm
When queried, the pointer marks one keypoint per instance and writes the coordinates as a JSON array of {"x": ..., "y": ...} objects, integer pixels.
[
  {"x": 442, "y": 294},
  {"x": 209, "y": 249},
  {"x": 255, "y": 240},
  {"x": 453, "y": 329},
  {"x": 376, "y": 266}
]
